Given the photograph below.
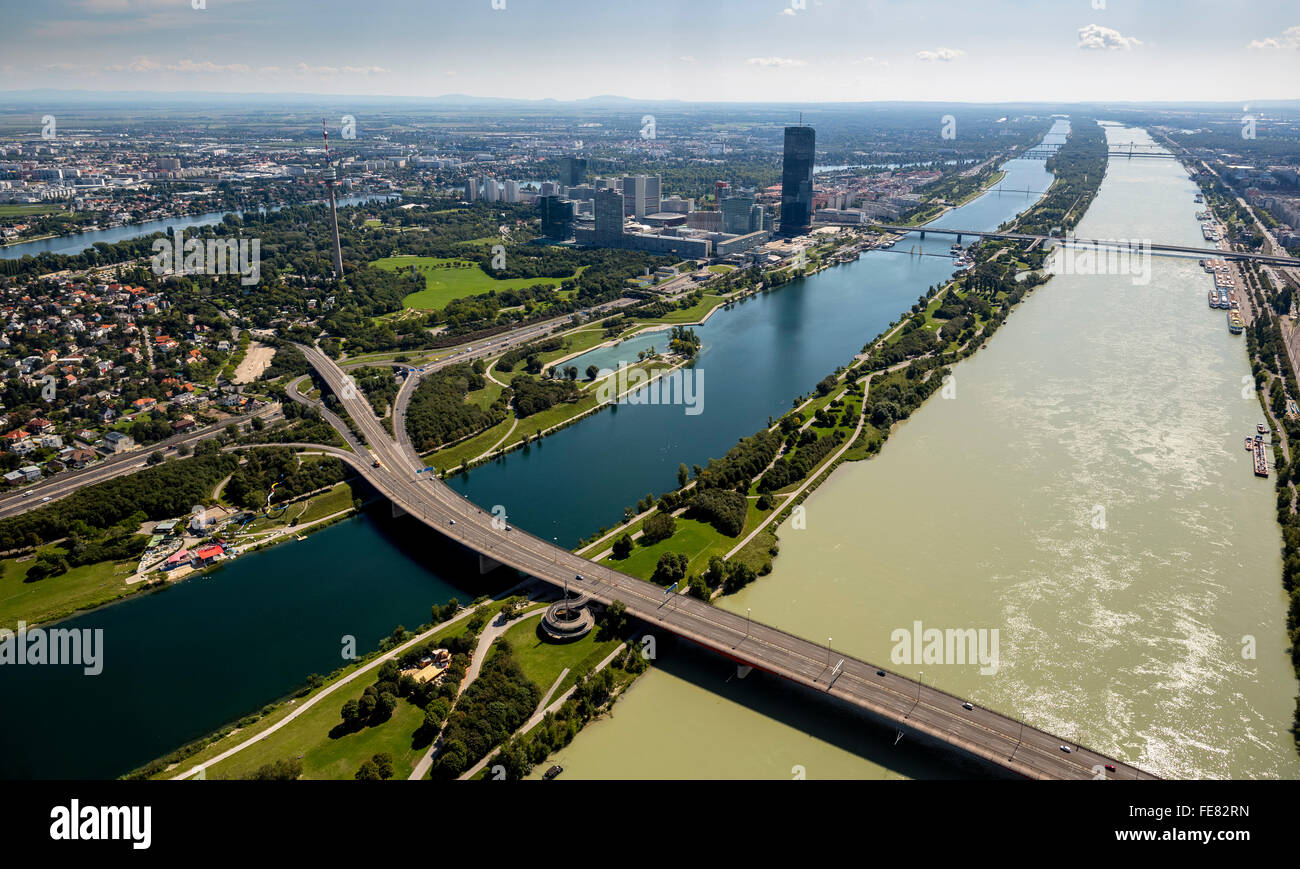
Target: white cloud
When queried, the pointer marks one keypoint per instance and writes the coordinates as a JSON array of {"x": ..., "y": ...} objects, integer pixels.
[
  {"x": 869, "y": 61},
  {"x": 1095, "y": 37},
  {"x": 148, "y": 65},
  {"x": 782, "y": 62},
  {"x": 1290, "y": 39},
  {"x": 787, "y": 11},
  {"x": 687, "y": 58},
  {"x": 943, "y": 54}
]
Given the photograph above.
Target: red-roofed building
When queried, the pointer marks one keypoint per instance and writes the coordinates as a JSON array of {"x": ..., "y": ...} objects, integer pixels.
[{"x": 207, "y": 554}]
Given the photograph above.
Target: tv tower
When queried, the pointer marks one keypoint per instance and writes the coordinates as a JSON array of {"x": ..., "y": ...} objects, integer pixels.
[{"x": 330, "y": 176}]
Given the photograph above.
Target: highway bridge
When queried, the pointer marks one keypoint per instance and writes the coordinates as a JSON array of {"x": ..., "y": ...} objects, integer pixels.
[
  {"x": 913, "y": 708},
  {"x": 1100, "y": 243}
]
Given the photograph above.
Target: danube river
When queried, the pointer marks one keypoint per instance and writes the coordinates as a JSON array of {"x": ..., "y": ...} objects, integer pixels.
[
  {"x": 210, "y": 650},
  {"x": 1084, "y": 493},
  {"x": 755, "y": 359}
]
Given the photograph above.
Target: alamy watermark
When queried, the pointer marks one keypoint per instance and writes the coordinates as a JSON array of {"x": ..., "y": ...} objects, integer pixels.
[
  {"x": 67, "y": 646},
  {"x": 635, "y": 386},
  {"x": 1104, "y": 257},
  {"x": 961, "y": 646}
]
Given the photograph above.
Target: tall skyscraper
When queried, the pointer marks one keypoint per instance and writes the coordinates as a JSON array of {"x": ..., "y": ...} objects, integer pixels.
[
  {"x": 574, "y": 171},
  {"x": 608, "y": 211},
  {"x": 471, "y": 189},
  {"x": 641, "y": 195},
  {"x": 797, "y": 180},
  {"x": 736, "y": 214},
  {"x": 557, "y": 216},
  {"x": 634, "y": 195},
  {"x": 652, "y": 198},
  {"x": 511, "y": 191}
]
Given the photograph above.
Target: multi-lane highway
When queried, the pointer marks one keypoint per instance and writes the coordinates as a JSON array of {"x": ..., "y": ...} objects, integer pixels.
[
  {"x": 63, "y": 484},
  {"x": 913, "y": 707}
]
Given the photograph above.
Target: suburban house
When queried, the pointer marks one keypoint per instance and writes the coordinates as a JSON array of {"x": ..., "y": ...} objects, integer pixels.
[{"x": 119, "y": 442}]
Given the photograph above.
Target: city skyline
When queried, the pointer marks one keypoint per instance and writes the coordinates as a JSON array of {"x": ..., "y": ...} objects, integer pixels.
[{"x": 813, "y": 51}]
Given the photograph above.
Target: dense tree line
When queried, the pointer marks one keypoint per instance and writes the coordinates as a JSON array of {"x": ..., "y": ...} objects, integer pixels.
[
  {"x": 724, "y": 509},
  {"x": 489, "y": 710},
  {"x": 742, "y": 462},
  {"x": 164, "y": 491},
  {"x": 514, "y": 355},
  {"x": 438, "y": 412},
  {"x": 532, "y": 395},
  {"x": 251, "y": 482}
]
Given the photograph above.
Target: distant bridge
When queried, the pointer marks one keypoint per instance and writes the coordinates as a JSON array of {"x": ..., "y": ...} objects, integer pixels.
[
  {"x": 1131, "y": 151},
  {"x": 1102, "y": 243}
]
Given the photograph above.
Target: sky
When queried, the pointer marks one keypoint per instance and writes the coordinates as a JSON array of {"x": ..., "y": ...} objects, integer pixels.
[{"x": 703, "y": 50}]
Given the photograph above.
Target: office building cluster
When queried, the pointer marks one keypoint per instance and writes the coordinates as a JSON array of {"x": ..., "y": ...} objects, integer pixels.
[{"x": 633, "y": 214}]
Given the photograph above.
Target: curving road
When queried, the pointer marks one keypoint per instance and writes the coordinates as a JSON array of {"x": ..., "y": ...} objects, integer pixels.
[{"x": 909, "y": 705}]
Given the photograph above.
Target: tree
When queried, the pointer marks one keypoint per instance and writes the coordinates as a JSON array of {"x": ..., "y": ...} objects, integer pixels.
[
  {"x": 671, "y": 568},
  {"x": 351, "y": 710},
  {"x": 384, "y": 765},
  {"x": 592, "y": 371},
  {"x": 623, "y": 546},
  {"x": 658, "y": 527},
  {"x": 368, "y": 772},
  {"x": 683, "y": 474},
  {"x": 613, "y": 621},
  {"x": 155, "y": 458}
]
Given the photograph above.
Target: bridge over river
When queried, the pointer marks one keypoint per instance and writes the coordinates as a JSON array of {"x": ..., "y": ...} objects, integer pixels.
[
  {"x": 935, "y": 716},
  {"x": 1134, "y": 245}
]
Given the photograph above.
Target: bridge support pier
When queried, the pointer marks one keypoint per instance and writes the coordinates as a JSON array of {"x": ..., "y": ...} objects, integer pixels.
[
  {"x": 486, "y": 565},
  {"x": 743, "y": 670},
  {"x": 398, "y": 512},
  {"x": 923, "y": 233}
]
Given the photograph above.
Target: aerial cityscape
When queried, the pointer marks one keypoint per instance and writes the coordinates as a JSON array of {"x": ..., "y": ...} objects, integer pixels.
[{"x": 731, "y": 391}]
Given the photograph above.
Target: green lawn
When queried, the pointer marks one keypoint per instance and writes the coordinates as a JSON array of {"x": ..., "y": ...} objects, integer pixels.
[
  {"x": 57, "y": 596},
  {"x": 444, "y": 284},
  {"x": 697, "y": 540},
  {"x": 542, "y": 661},
  {"x": 28, "y": 210},
  {"x": 453, "y": 456},
  {"x": 337, "y": 756}
]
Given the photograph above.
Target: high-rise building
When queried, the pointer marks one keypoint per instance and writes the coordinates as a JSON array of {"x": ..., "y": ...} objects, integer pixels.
[
  {"x": 471, "y": 189},
  {"x": 512, "y": 191},
  {"x": 573, "y": 171},
  {"x": 735, "y": 214},
  {"x": 491, "y": 190},
  {"x": 652, "y": 199},
  {"x": 797, "y": 180},
  {"x": 608, "y": 212},
  {"x": 557, "y": 216},
  {"x": 549, "y": 188},
  {"x": 758, "y": 219},
  {"x": 641, "y": 195}
]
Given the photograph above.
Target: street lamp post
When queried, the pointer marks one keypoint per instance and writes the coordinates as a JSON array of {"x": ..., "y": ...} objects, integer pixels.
[
  {"x": 746, "y": 622},
  {"x": 828, "y": 651}
]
